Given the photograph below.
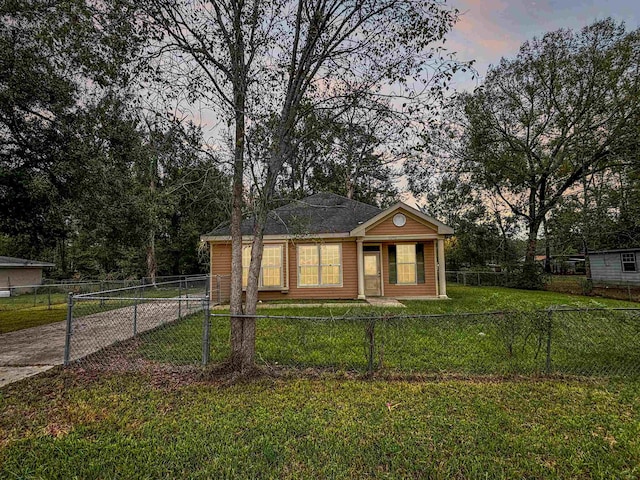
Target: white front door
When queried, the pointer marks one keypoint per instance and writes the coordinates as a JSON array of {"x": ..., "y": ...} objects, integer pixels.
[{"x": 372, "y": 277}]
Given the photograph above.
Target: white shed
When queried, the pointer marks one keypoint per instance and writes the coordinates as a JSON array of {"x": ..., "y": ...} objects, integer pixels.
[
  {"x": 620, "y": 266},
  {"x": 19, "y": 271}
]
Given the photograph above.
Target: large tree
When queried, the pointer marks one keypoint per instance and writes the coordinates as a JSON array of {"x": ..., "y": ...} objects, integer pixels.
[
  {"x": 267, "y": 62},
  {"x": 57, "y": 60},
  {"x": 353, "y": 154},
  {"x": 566, "y": 107}
]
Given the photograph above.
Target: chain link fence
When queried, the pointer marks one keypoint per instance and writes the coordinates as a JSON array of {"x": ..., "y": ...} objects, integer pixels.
[
  {"x": 99, "y": 320},
  {"x": 54, "y": 294},
  {"x": 571, "y": 284},
  {"x": 555, "y": 341}
]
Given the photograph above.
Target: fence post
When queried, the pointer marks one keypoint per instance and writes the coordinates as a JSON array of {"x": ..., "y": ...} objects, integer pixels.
[
  {"x": 371, "y": 341},
  {"x": 67, "y": 340},
  {"x": 549, "y": 325},
  {"x": 218, "y": 290},
  {"x": 35, "y": 296},
  {"x": 135, "y": 315},
  {"x": 478, "y": 278},
  {"x": 49, "y": 298},
  {"x": 206, "y": 337},
  {"x": 179, "y": 299},
  {"x": 464, "y": 278}
]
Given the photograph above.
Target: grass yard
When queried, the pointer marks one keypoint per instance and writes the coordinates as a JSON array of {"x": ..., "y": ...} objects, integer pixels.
[
  {"x": 12, "y": 320},
  {"x": 66, "y": 425},
  {"x": 175, "y": 423}
]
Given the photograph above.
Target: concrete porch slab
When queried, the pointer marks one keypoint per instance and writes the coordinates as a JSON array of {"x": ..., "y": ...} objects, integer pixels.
[
  {"x": 261, "y": 306},
  {"x": 385, "y": 302}
]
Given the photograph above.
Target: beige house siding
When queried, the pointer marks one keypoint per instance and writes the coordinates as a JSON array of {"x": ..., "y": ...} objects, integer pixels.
[
  {"x": 13, "y": 276},
  {"x": 413, "y": 226},
  {"x": 427, "y": 289},
  {"x": 221, "y": 265}
]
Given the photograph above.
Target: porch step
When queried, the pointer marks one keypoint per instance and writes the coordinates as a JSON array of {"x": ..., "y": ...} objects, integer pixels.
[{"x": 385, "y": 302}]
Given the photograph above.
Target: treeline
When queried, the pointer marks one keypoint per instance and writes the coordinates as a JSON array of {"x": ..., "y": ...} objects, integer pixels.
[
  {"x": 91, "y": 178},
  {"x": 107, "y": 168},
  {"x": 103, "y": 170},
  {"x": 545, "y": 152}
]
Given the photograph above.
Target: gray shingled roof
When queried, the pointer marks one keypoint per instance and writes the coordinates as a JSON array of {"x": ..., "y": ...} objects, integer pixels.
[
  {"x": 317, "y": 214},
  {"x": 21, "y": 262}
]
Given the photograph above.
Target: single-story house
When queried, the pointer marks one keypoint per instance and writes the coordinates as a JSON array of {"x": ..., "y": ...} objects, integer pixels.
[
  {"x": 19, "y": 271},
  {"x": 330, "y": 247},
  {"x": 572, "y": 264},
  {"x": 620, "y": 266}
]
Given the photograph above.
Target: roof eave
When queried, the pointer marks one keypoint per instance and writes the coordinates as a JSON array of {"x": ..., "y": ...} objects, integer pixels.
[
  {"x": 227, "y": 238},
  {"x": 28, "y": 265}
]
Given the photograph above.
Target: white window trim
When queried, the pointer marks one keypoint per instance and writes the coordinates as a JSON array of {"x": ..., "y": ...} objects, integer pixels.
[
  {"x": 634, "y": 262},
  {"x": 318, "y": 285},
  {"x": 282, "y": 267},
  {"x": 415, "y": 265}
]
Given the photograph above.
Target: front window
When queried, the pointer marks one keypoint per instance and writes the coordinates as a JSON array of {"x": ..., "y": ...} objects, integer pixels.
[
  {"x": 628, "y": 262},
  {"x": 406, "y": 264},
  {"x": 319, "y": 265},
  {"x": 270, "y": 270}
]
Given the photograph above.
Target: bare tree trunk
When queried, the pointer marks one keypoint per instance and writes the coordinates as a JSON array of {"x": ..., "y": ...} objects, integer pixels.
[
  {"x": 547, "y": 249},
  {"x": 242, "y": 338},
  {"x": 152, "y": 263},
  {"x": 235, "y": 302},
  {"x": 585, "y": 227},
  {"x": 350, "y": 188},
  {"x": 532, "y": 243}
]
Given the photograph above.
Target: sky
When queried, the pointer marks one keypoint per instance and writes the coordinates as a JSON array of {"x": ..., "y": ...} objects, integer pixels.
[{"x": 491, "y": 29}]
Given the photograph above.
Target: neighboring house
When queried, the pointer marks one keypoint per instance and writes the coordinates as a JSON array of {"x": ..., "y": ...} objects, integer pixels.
[
  {"x": 18, "y": 271},
  {"x": 572, "y": 264},
  {"x": 621, "y": 266},
  {"x": 330, "y": 247}
]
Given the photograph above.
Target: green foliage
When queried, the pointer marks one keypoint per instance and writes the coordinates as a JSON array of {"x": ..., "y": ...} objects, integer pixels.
[
  {"x": 78, "y": 158},
  {"x": 527, "y": 276},
  {"x": 55, "y": 60}
]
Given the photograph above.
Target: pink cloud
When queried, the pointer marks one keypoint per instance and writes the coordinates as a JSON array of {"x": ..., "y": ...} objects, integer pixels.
[{"x": 483, "y": 32}]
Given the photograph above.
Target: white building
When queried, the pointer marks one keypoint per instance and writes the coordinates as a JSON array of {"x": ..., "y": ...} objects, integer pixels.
[{"x": 620, "y": 266}]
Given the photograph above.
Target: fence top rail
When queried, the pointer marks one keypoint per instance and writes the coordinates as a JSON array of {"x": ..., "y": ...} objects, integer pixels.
[
  {"x": 69, "y": 284},
  {"x": 136, "y": 287},
  {"x": 177, "y": 277},
  {"x": 88, "y": 297},
  {"x": 382, "y": 316}
]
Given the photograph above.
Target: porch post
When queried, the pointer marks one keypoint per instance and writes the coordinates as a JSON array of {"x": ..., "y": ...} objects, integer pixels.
[
  {"x": 360, "y": 256},
  {"x": 442, "y": 276}
]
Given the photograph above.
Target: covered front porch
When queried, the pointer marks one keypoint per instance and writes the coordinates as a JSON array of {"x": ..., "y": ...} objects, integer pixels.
[{"x": 401, "y": 268}]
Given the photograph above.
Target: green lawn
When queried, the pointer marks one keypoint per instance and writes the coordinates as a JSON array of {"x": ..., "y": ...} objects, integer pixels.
[
  {"x": 176, "y": 423},
  {"x": 69, "y": 425}
]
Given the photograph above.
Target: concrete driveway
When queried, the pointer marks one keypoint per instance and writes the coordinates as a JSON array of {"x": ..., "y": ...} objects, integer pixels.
[{"x": 33, "y": 350}]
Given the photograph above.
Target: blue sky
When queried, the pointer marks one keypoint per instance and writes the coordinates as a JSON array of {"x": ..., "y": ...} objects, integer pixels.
[{"x": 491, "y": 29}]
